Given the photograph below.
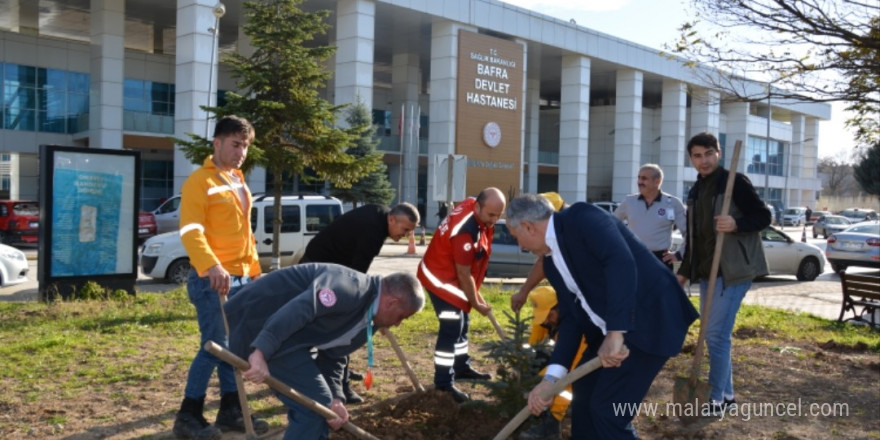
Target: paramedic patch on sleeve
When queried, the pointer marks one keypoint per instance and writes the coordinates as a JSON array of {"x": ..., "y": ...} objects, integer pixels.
[{"x": 327, "y": 297}]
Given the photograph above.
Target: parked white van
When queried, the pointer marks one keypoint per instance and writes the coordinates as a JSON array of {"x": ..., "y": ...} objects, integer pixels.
[{"x": 302, "y": 217}]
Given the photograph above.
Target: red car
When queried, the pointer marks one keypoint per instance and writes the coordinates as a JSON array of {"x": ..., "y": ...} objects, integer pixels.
[
  {"x": 146, "y": 225},
  {"x": 19, "y": 221}
]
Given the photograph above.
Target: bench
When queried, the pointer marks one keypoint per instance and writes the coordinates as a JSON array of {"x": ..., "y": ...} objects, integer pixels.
[{"x": 861, "y": 291}]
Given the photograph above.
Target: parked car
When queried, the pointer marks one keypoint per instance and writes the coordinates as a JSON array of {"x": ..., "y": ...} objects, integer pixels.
[
  {"x": 794, "y": 216},
  {"x": 829, "y": 224},
  {"x": 13, "y": 266},
  {"x": 146, "y": 225},
  {"x": 856, "y": 215},
  {"x": 19, "y": 221},
  {"x": 302, "y": 216},
  {"x": 786, "y": 256},
  {"x": 816, "y": 215},
  {"x": 168, "y": 215},
  {"x": 859, "y": 245},
  {"x": 507, "y": 259}
]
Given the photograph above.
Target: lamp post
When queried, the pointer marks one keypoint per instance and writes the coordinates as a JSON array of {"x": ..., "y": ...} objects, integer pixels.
[
  {"x": 767, "y": 149},
  {"x": 219, "y": 11}
]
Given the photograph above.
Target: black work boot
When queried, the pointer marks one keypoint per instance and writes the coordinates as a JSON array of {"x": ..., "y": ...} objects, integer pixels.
[
  {"x": 190, "y": 424},
  {"x": 351, "y": 397},
  {"x": 547, "y": 428},
  {"x": 458, "y": 395},
  {"x": 230, "y": 418}
]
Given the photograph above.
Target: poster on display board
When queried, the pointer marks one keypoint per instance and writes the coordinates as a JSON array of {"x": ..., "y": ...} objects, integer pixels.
[{"x": 88, "y": 219}]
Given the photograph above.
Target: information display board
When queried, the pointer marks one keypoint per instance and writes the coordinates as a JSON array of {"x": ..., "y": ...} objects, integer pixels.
[{"x": 88, "y": 219}]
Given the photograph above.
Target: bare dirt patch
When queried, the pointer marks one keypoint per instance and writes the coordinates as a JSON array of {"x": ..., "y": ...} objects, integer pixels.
[{"x": 826, "y": 377}]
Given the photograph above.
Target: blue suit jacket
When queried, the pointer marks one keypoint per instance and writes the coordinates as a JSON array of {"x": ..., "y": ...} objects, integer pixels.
[{"x": 621, "y": 280}]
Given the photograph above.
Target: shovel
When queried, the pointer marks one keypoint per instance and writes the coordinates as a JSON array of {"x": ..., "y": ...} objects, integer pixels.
[
  {"x": 689, "y": 392},
  {"x": 250, "y": 434},
  {"x": 402, "y": 357},
  {"x": 497, "y": 326},
  {"x": 579, "y": 372},
  {"x": 277, "y": 385}
]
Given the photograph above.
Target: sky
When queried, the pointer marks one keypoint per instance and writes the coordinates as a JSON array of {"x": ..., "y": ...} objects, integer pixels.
[{"x": 653, "y": 23}]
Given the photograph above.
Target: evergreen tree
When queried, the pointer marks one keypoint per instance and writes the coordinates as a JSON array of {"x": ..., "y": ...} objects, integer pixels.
[
  {"x": 278, "y": 92},
  {"x": 374, "y": 187},
  {"x": 867, "y": 172}
]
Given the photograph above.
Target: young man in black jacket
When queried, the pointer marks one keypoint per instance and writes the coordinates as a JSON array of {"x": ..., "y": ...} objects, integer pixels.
[{"x": 742, "y": 257}]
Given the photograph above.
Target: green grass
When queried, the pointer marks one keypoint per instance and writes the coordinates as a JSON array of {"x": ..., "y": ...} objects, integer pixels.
[{"x": 74, "y": 347}]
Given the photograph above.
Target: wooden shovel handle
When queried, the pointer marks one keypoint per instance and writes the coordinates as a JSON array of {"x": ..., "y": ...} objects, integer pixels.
[
  {"x": 250, "y": 433},
  {"x": 713, "y": 272},
  {"x": 495, "y": 324},
  {"x": 277, "y": 385},
  {"x": 579, "y": 372},
  {"x": 402, "y": 357}
]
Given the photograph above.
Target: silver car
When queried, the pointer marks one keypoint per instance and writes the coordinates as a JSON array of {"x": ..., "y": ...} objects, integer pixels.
[
  {"x": 786, "y": 256},
  {"x": 507, "y": 259},
  {"x": 829, "y": 224},
  {"x": 857, "y": 246}
]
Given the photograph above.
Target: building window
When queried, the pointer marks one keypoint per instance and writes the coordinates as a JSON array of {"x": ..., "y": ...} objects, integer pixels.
[
  {"x": 148, "y": 106},
  {"x": 761, "y": 160},
  {"x": 46, "y": 100}
]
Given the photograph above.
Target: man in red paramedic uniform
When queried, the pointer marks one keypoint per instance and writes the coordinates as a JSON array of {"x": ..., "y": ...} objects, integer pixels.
[{"x": 452, "y": 271}]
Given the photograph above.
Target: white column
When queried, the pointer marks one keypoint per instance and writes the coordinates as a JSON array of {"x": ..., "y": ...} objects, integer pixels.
[
  {"x": 107, "y": 70},
  {"x": 443, "y": 86},
  {"x": 673, "y": 118},
  {"x": 406, "y": 80},
  {"x": 24, "y": 16},
  {"x": 355, "y": 35},
  {"x": 627, "y": 133},
  {"x": 256, "y": 178},
  {"x": 195, "y": 45},
  {"x": 532, "y": 117},
  {"x": 574, "y": 127},
  {"x": 705, "y": 112},
  {"x": 737, "y": 129}
]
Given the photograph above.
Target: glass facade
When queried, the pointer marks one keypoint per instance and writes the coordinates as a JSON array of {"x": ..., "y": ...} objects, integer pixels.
[
  {"x": 157, "y": 182},
  {"x": 148, "y": 106},
  {"x": 761, "y": 160},
  {"x": 46, "y": 100}
]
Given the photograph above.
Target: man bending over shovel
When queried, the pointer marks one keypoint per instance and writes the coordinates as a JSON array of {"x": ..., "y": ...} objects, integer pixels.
[
  {"x": 611, "y": 290},
  {"x": 278, "y": 321}
]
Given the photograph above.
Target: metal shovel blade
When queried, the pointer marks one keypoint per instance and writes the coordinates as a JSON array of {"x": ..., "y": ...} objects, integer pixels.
[{"x": 691, "y": 398}]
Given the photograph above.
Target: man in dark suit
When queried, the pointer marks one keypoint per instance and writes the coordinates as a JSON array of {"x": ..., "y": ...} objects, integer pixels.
[
  {"x": 278, "y": 320},
  {"x": 612, "y": 290}
]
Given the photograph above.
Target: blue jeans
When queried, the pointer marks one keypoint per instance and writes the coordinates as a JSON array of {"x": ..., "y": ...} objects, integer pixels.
[
  {"x": 210, "y": 319},
  {"x": 719, "y": 327},
  {"x": 298, "y": 370}
]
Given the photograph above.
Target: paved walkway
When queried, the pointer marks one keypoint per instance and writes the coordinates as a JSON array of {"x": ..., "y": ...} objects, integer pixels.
[{"x": 821, "y": 297}]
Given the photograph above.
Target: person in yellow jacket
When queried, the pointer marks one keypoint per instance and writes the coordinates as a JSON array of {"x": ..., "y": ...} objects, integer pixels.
[
  {"x": 545, "y": 321},
  {"x": 215, "y": 231}
]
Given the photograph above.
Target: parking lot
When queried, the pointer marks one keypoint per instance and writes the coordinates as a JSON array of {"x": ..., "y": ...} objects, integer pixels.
[{"x": 820, "y": 297}]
